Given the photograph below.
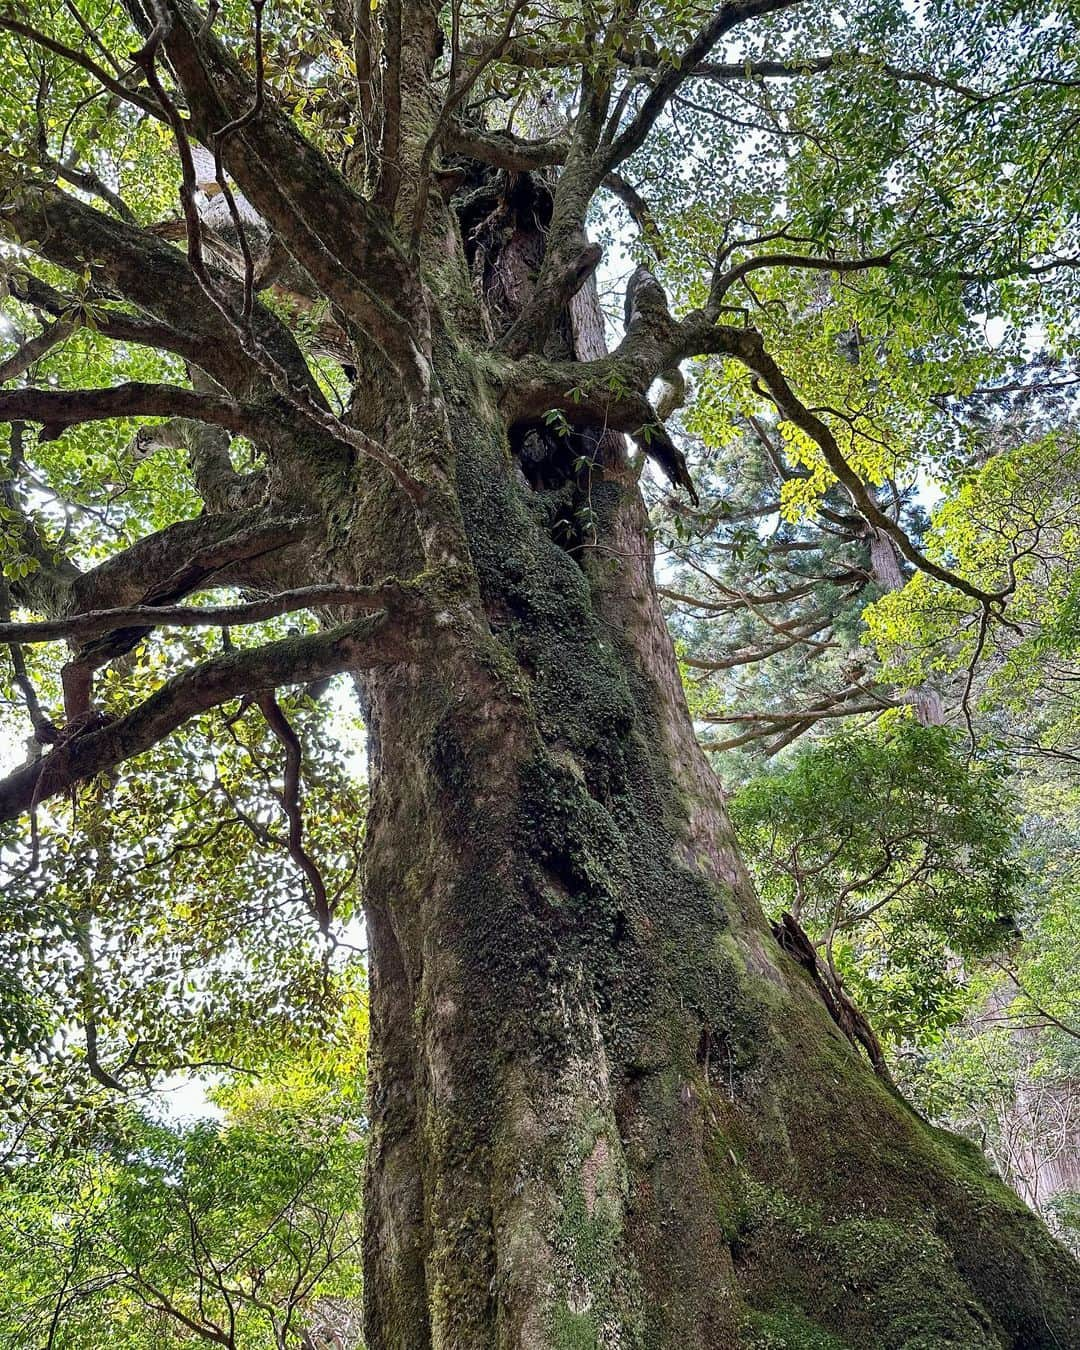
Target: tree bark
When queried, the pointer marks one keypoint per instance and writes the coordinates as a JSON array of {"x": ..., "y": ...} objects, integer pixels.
[{"x": 606, "y": 1109}]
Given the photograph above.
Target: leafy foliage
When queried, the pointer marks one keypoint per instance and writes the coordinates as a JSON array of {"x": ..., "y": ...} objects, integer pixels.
[
  {"x": 898, "y": 854},
  {"x": 241, "y": 1232}
]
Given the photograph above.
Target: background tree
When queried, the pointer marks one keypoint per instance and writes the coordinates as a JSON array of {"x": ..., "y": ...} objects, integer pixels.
[
  {"x": 238, "y": 1233},
  {"x": 1006, "y": 1074},
  {"x": 898, "y": 853},
  {"x": 606, "y": 1107}
]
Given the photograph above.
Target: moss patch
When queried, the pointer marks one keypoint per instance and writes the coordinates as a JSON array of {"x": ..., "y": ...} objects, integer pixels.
[{"x": 786, "y": 1329}]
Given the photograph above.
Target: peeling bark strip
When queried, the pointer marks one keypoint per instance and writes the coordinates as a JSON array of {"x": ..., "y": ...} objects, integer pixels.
[
  {"x": 792, "y": 938},
  {"x": 606, "y": 1112}
]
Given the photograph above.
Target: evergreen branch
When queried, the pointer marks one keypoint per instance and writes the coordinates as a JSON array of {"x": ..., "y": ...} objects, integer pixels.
[{"x": 87, "y": 63}]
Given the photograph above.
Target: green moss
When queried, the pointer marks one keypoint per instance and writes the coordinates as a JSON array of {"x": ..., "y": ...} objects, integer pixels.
[
  {"x": 881, "y": 1282},
  {"x": 590, "y": 1220},
  {"x": 573, "y": 1331},
  {"x": 786, "y": 1329},
  {"x": 762, "y": 1161}
]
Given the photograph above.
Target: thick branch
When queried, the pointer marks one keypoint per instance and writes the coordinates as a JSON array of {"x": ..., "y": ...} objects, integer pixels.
[
  {"x": 186, "y": 556},
  {"x": 378, "y": 640},
  {"x": 131, "y": 263},
  {"x": 92, "y": 623},
  {"x": 504, "y": 150},
  {"x": 221, "y": 560},
  {"x": 57, "y": 409}
]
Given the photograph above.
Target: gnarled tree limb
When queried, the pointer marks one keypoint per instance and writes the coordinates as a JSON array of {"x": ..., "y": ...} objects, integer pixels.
[
  {"x": 382, "y": 638},
  {"x": 57, "y": 409},
  {"x": 92, "y": 623}
]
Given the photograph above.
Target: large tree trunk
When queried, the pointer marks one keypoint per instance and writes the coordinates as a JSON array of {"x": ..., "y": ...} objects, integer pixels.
[{"x": 606, "y": 1109}]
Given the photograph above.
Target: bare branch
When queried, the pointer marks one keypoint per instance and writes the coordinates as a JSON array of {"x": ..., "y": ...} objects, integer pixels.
[
  {"x": 723, "y": 281},
  {"x": 290, "y": 799},
  {"x": 725, "y": 18}
]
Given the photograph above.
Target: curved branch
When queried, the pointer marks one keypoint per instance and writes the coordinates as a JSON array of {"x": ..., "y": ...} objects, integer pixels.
[
  {"x": 380, "y": 639},
  {"x": 639, "y": 210},
  {"x": 33, "y": 349},
  {"x": 162, "y": 567},
  {"x": 748, "y": 346},
  {"x": 281, "y": 727},
  {"x": 557, "y": 55},
  {"x": 343, "y": 241},
  {"x": 92, "y": 623},
  {"x": 108, "y": 323},
  {"x": 57, "y": 409},
  {"x": 723, "y": 281},
  {"x": 130, "y": 262},
  {"x": 504, "y": 150},
  {"x": 796, "y": 67},
  {"x": 726, "y": 17}
]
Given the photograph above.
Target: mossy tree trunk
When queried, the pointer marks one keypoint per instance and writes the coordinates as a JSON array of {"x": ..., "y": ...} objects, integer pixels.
[{"x": 607, "y": 1110}]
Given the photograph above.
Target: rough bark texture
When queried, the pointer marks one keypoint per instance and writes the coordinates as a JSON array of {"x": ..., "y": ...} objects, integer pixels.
[{"x": 607, "y": 1110}]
